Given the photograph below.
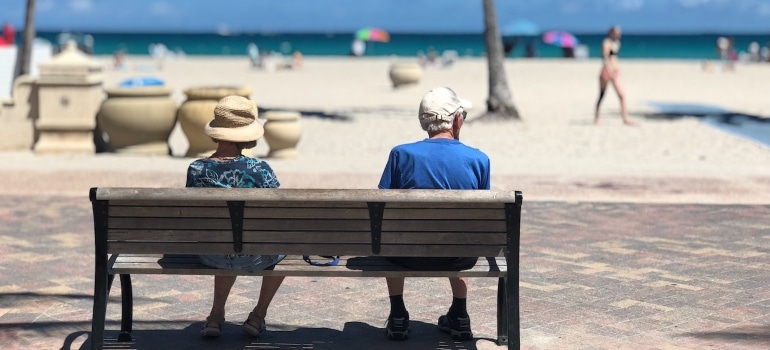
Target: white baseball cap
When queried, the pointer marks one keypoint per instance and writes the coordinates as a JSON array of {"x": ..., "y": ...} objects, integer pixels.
[{"x": 441, "y": 104}]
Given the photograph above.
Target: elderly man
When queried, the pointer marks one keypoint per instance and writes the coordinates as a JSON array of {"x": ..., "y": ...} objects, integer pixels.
[{"x": 439, "y": 162}]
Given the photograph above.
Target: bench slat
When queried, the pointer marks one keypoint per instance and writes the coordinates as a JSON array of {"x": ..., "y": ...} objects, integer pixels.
[
  {"x": 249, "y": 203},
  {"x": 295, "y": 266},
  {"x": 305, "y": 195},
  {"x": 225, "y": 224},
  {"x": 249, "y": 212},
  {"x": 358, "y": 237},
  {"x": 443, "y": 225},
  {"x": 442, "y": 214},
  {"x": 306, "y": 224},
  {"x": 315, "y": 248},
  {"x": 186, "y": 211},
  {"x": 496, "y": 262}
]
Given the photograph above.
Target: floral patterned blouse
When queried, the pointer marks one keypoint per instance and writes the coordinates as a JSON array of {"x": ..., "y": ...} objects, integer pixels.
[{"x": 239, "y": 172}]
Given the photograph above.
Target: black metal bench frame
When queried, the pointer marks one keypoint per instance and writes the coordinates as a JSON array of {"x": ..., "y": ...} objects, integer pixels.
[{"x": 109, "y": 251}]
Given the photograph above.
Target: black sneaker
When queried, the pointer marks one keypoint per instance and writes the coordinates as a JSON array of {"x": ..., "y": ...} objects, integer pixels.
[
  {"x": 397, "y": 328},
  {"x": 458, "y": 328}
]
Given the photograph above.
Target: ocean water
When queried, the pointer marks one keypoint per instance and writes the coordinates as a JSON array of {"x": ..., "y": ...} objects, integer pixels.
[{"x": 695, "y": 47}]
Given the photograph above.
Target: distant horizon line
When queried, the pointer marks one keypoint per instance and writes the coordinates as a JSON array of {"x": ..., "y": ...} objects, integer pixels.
[{"x": 273, "y": 33}]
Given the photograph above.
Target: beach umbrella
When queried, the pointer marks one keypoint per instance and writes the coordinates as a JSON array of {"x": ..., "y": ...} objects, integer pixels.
[
  {"x": 372, "y": 34},
  {"x": 560, "y": 39},
  {"x": 520, "y": 27}
]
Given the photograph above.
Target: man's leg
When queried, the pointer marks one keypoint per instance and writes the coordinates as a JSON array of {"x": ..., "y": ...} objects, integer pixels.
[
  {"x": 457, "y": 322},
  {"x": 397, "y": 327}
]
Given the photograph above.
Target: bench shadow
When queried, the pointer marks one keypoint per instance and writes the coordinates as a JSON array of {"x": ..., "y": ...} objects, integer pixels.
[
  {"x": 758, "y": 334},
  {"x": 283, "y": 337}
]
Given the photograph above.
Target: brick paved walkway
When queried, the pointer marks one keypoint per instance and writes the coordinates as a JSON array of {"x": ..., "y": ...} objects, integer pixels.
[{"x": 593, "y": 276}]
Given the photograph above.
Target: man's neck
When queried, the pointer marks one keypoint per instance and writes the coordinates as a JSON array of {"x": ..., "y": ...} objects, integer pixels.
[{"x": 446, "y": 134}]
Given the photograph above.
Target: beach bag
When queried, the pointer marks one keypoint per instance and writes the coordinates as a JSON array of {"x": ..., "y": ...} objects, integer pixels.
[{"x": 333, "y": 260}]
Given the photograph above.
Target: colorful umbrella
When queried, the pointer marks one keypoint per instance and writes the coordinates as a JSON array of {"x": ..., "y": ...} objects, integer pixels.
[
  {"x": 520, "y": 27},
  {"x": 560, "y": 39},
  {"x": 373, "y": 34}
]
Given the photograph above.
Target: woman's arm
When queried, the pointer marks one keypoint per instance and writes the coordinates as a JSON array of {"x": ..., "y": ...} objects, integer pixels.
[{"x": 606, "y": 48}]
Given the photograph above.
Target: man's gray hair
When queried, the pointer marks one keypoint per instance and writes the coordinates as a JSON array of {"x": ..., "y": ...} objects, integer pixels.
[{"x": 438, "y": 125}]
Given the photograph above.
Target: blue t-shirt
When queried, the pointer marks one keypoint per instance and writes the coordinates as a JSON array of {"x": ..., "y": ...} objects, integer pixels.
[
  {"x": 240, "y": 172},
  {"x": 436, "y": 164}
]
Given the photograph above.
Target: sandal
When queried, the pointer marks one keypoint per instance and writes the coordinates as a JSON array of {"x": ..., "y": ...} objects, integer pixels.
[
  {"x": 249, "y": 328},
  {"x": 209, "y": 331}
]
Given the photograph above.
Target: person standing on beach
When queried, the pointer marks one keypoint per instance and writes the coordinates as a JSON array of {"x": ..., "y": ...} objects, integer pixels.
[
  {"x": 234, "y": 128},
  {"x": 610, "y": 73},
  {"x": 439, "y": 162}
]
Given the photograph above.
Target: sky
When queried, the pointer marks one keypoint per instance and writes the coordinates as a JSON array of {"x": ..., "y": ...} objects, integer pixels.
[{"x": 419, "y": 16}]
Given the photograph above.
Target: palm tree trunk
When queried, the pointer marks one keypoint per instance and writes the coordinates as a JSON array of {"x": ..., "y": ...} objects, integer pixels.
[
  {"x": 28, "y": 37},
  {"x": 500, "y": 103}
]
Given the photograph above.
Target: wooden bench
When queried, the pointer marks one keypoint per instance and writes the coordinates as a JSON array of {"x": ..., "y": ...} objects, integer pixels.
[{"x": 161, "y": 231}]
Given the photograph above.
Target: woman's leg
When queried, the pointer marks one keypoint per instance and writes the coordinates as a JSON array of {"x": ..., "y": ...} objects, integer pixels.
[
  {"x": 602, "y": 89},
  {"x": 622, "y": 97},
  {"x": 222, "y": 286},
  {"x": 270, "y": 285}
]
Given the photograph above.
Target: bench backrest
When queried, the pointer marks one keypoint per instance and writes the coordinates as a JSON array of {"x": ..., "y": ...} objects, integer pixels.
[{"x": 300, "y": 221}]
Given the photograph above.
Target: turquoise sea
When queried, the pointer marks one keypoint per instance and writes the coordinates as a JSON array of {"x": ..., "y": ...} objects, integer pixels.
[{"x": 699, "y": 46}]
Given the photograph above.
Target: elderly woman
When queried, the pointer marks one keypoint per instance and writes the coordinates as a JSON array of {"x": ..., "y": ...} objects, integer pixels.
[
  {"x": 610, "y": 73},
  {"x": 234, "y": 128}
]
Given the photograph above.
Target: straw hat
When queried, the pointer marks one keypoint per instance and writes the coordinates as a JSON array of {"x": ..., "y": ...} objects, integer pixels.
[{"x": 235, "y": 120}]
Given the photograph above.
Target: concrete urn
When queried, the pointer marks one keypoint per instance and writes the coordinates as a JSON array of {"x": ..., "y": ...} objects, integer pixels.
[
  {"x": 405, "y": 73},
  {"x": 197, "y": 111},
  {"x": 283, "y": 131},
  {"x": 138, "y": 120}
]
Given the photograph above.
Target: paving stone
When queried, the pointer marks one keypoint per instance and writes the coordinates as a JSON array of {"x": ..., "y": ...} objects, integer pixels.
[{"x": 593, "y": 276}]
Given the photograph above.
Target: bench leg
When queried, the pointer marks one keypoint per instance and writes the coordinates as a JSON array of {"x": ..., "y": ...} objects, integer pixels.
[
  {"x": 101, "y": 291},
  {"x": 127, "y": 309},
  {"x": 502, "y": 313},
  {"x": 512, "y": 301}
]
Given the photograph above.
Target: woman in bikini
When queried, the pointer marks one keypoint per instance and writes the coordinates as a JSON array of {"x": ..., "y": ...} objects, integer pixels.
[{"x": 610, "y": 73}]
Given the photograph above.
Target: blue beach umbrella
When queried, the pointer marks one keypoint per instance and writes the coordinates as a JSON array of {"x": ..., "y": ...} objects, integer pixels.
[
  {"x": 141, "y": 81},
  {"x": 520, "y": 27}
]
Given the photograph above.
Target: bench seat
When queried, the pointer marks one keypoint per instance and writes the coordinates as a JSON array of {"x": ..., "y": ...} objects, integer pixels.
[{"x": 293, "y": 265}]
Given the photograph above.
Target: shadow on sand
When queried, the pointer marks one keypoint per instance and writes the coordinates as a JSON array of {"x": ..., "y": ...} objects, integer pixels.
[
  {"x": 752, "y": 127},
  {"x": 314, "y": 114}
]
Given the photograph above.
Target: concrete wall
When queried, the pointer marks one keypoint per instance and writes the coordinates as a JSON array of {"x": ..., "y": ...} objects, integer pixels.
[{"x": 17, "y": 116}]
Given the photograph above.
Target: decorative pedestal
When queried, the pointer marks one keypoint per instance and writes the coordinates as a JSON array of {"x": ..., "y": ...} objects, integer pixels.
[
  {"x": 404, "y": 73},
  {"x": 138, "y": 120},
  {"x": 197, "y": 111},
  {"x": 69, "y": 93},
  {"x": 282, "y": 133}
]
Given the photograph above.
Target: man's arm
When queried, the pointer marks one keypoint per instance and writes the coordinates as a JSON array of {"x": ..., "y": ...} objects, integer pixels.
[{"x": 390, "y": 173}]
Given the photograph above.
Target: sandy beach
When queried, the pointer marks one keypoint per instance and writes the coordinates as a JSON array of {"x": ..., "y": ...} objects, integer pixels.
[
  {"x": 621, "y": 248},
  {"x": 352, "y": 116}
]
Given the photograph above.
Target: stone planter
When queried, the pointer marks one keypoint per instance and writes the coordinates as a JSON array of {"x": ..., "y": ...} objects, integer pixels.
[
  {"x": 197, "y": 111},
  {"x": 282, "y": 133},
  {"x": 404, "y": 73},
  {"x": 138, "y": 120}
]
